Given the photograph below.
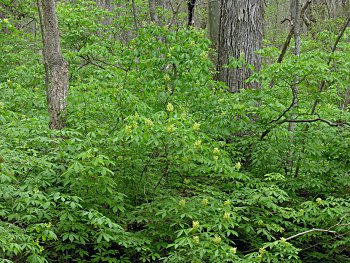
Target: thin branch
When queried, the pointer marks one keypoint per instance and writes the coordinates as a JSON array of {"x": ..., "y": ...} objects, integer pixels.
[
  {"x": 285, "y": 20},
  {"x": 338, "y": 123},
  {"x": 309, "y": 231},
  {"x": 286, "y": 45},
  {"x": 112, "y": 65},
  {"x": 286, "y": 110},
  {"x": 175, "y": 12},
  {"x": 321, "y": 230},
  {"x": 334, "y": 124}
]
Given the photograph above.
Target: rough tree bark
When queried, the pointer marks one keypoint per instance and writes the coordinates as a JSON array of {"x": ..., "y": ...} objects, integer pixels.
[
  {"x": 56, "y": 68},
  {"x": 240, "y": 31}
]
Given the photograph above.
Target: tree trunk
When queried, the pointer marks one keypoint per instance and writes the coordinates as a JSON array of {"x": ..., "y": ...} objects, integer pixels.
[
  {"x": 295, "y": 18},
  {"x": 190, "y": 10},
  {"x": 56, "y": 67},
  {"x": 240, "y": 31},
  {"x": 214, "y": 8},
  {"x": 153, "y": 11}
]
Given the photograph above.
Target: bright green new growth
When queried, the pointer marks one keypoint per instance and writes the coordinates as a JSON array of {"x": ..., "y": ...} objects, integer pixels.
[{"x": 159, "y": 163}]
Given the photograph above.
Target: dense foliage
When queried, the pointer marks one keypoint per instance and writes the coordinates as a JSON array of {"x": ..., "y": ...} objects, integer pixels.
[{"x": 159, "y": 163}]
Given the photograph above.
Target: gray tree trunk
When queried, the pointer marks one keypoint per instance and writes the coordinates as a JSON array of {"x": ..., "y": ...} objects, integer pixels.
[
  {"x": 56, "y": 67},
  {"x": 240, "y": 31},
  {"x": 153, "y": 11},
  {"x": 214, "y": 22}
]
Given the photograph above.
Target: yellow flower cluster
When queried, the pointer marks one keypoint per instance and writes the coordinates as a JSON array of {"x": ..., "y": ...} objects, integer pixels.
[
  {"x": 195, "y": 225},
  {"x": 149, "y": 123},
  {"x": 205, "y": 201},
  {"x": 216, "y": 151},
  {"x": 182, "y": 202},
  {"x": 238, "y": 166},
  {"x": 169, "y": 107},
  {"x": 197, "y": 144},
  {"x": 217, "y": 240},
  {"x": 196, "y": 126},
  {"x": 128, "y": 129},
  {"x": 170, "y": 128},
  {"x": 227, "y": 216}
]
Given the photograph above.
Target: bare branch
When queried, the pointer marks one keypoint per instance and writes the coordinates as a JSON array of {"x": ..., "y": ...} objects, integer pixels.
[
  {"x": 309, "y": 231},
  {"x": 334, "y": 124},
  {"x": 175, "y": 13}
]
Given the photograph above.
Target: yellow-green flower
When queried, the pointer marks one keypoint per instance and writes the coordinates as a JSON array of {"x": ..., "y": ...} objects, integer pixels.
[
  {"x": 227, "y": 203},
  {"x": 261, "y": 223},
  {"x": 318, "y": 201},
  {"x": 169, "y": 107},
  {"x": 182, "y": 202},
  {"x": 128, "y": 129},
  {"x": 217, "y": 240},
  {"x": 216, "y": 151},
  {"x": 238, "y": 166},
  {"x": 197, "y": 144},
  {"x": 227, "y": 216},
  {"x": 170, "y": 128},
  {"x": 196, "y": 239},
  {"x": 195, "y": 225},
  {"x": 216, "y": 158},
  {"x": 149, "y": 123},
  {"x": 196, "y": 126},
  {"x": 205, "y": 201},
  {"x": 187, "y": 181},
  {"x": 134, "y": 124},
  {"x": 233, "y": 250}
]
